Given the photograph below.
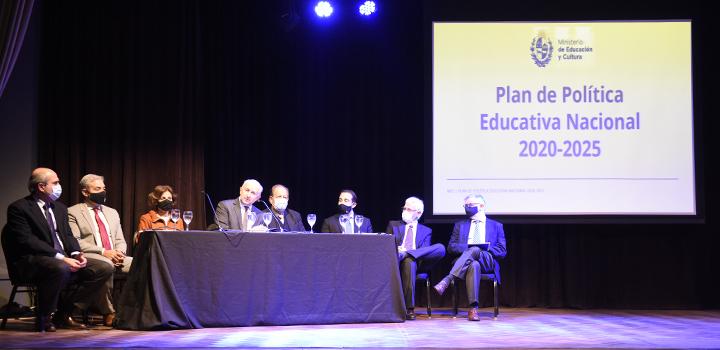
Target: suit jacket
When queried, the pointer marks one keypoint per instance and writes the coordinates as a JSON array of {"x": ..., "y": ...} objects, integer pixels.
[
  {"x": 82, "y": 223},
  {"x": 423, "y": 240},
  {"x": 494, "y": 235},
  {"x": 229, "y": 214},
  {"x": 293, "y": 221},
  {"x": 332, "y": 224},
  {"x": 27, "y": 233}
]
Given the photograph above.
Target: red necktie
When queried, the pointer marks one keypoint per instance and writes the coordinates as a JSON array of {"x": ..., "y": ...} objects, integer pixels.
[{"x": 103, "y": 231}]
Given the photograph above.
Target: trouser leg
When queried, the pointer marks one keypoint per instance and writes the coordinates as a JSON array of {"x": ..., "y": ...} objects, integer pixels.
[{"x": 408, "y": 272}]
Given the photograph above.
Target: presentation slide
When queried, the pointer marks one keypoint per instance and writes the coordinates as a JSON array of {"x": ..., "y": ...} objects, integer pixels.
[{"x": 564, "y": 118}]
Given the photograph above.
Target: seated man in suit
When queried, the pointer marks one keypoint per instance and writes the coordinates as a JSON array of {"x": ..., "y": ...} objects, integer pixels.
[
  {"x": 414, "y": 249},
  {"x": 40, "y": 248},
  {"x": 290, "y": 220},
  {"x": 346, "y": 205},
  {"x": 97, "y": 229},
  {"x": 232, "y": 214},
  {"x": 473, "y": 261}
]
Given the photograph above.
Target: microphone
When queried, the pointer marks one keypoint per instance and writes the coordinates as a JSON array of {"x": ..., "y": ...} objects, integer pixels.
[
  {"x": 211, "y": 207},
  {"x": 273, "y": 214}
]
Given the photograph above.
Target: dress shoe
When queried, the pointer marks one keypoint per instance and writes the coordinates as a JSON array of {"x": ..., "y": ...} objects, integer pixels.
[
  {"x": 109, "y": 319},
  {"x": 441, "y": 286},
  {"x": 64, "y": 321},
  {"x": 44, "y": 324},
  {"x": 410, "y": 314},
  {"x": 473, "y": 314}
]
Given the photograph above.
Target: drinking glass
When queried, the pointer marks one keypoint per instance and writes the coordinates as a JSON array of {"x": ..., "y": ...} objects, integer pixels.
[
  {"x": 267, "y": 218},
  {"x": 252, "y": 217},
  {"x": 343, "y": 221},
  {"x": 311, "y": 218},
  {"x": 187, "y": 218},
  {"x": 359, "y": 221},
  {"x": 175, "y": 216}
]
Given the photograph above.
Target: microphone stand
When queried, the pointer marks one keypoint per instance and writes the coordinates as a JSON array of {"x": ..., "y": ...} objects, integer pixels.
[{"x": 212, "y": 207}]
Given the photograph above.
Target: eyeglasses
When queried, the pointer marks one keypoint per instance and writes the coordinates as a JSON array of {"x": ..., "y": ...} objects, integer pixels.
[
  {"x": 473, "y": 205},
  {"x": 408, "y": 209}
]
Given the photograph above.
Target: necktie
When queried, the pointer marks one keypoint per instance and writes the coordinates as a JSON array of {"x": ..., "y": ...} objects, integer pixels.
[
  {"x": 476, "y": 232},
  {"x": 51, "y": 223},
  {"x": 409, "y": 238},
  {"x": 244, "y": 217},
  {"x": 104, "y": 237}
]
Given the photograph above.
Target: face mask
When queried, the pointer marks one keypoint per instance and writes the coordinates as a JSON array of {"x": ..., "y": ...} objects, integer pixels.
[
  {"x": 471, "y": 211},
  {"x": 98, "y": 198},
  {"x": 344, "y": 209},
  {"x": 407, "y": 216},
  {"x": 280, "y": 204},
  {"x": 165, "y": 205},
  {"x": 56, "y": 193}
]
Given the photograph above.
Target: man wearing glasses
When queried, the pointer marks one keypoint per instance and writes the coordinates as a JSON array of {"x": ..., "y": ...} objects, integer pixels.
[
  {"x": 479, "y": 241},
  {"x": 415, "y": 250}
]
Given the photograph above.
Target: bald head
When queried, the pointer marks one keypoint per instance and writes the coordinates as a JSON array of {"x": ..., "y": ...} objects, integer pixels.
[
  {"x": 40, "y": 176},
  {"x": 45, "y": 184}
]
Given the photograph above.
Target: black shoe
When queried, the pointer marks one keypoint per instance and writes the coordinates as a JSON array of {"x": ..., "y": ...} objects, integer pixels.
[
  {"x": 441, "y": 286},
  {"x": 410, "y": 314},
  {"x": 64, "y": 321},
  {"x": 44, "y": 324}
]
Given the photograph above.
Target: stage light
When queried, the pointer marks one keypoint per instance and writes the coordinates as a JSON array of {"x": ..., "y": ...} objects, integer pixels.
[
  {"x": 323, "y": 9},
  {"x": 367, "y": 8}
]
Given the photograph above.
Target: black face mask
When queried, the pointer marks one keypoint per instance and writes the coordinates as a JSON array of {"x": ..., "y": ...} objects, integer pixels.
[
  {"x": 471, "y": 211},
  {"x": 98, "y": 198},
  {"x": 344, "y": 209},
  {"x": 165, "y": 205}
]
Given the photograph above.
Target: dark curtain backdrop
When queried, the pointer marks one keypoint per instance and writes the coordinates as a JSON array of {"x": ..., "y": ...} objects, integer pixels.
[
  {"x": 120, "y": 98},
  {"x": 14, "y": 20},
  {"x": 205, "y": 94}
]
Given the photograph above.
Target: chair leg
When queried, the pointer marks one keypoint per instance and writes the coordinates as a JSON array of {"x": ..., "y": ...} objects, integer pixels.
[
  {"x": 455, "y": 296},
  {"x": 427, "y": 292},
  {"x": 10, "y": 301},
  {"x": 495, "y": 297}
]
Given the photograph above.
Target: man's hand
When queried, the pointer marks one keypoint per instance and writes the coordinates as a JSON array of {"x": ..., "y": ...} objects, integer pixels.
[
  {"x": 74, "y": 264},
  {"x": 115, "y": 256}
]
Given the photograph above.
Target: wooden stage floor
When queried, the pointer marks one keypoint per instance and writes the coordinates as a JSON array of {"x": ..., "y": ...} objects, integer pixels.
[{"x": 515, "y": 328}]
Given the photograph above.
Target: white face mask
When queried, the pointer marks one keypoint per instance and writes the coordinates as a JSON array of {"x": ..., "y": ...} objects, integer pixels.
[
  {"x": 280, "y": 204},
  {"x": 408, "y": 216},
  {"x": 56, "y": 193}
]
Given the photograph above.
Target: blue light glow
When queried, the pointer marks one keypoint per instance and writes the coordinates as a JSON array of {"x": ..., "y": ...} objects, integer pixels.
[
  {"x": 323, "y": 9},
  {"x": 367, "y": 8}
]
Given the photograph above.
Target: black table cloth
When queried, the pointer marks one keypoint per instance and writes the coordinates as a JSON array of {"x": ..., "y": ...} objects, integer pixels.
[{"x": 196, "y": 279}]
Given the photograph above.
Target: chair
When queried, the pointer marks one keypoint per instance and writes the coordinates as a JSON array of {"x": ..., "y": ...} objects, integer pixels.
[
  {"x": 483, "y": 277},
  {"x": 425, "y": 276},
  {"x": 17, "y": 288},
  {"x": 18, "y": 285}
]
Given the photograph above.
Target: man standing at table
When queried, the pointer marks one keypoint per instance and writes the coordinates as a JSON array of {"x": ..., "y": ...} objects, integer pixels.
[
  {"x": 40, "y": 248},
  {"x": 415, "y": 251},
  {"x": 346, "y": 205},
  {"x": 97, "y": 229},
  {"x": 473, "y": 261},
  {"x": 232, "y": 214},
  {"x": 290, "y": 220}
]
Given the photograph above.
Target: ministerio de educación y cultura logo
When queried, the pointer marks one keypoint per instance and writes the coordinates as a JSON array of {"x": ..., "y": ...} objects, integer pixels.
[{"x": 541, "y": 50}]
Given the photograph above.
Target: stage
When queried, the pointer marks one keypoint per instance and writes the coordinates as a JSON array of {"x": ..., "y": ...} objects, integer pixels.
[{"x": 515, "y": 328}]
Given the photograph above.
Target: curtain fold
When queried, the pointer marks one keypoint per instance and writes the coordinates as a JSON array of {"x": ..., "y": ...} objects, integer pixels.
[{"x": 14, "y": 20}]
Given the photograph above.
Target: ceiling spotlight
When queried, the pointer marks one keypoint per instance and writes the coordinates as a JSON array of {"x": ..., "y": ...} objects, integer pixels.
[
  {"x": 367, "y": 8},
  {"x": 323, "y": 9}
]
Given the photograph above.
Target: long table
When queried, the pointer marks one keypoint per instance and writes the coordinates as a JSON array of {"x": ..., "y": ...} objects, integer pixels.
[{"x": 195, "y": 279}]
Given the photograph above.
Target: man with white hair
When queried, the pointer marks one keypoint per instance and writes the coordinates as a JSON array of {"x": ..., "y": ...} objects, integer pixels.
[
  {"x": 232, "y": 214},
  {"x": 415, "y": 251},
  {"x": 97, "y": 228},
  {"x": 469, "y": 238}
]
